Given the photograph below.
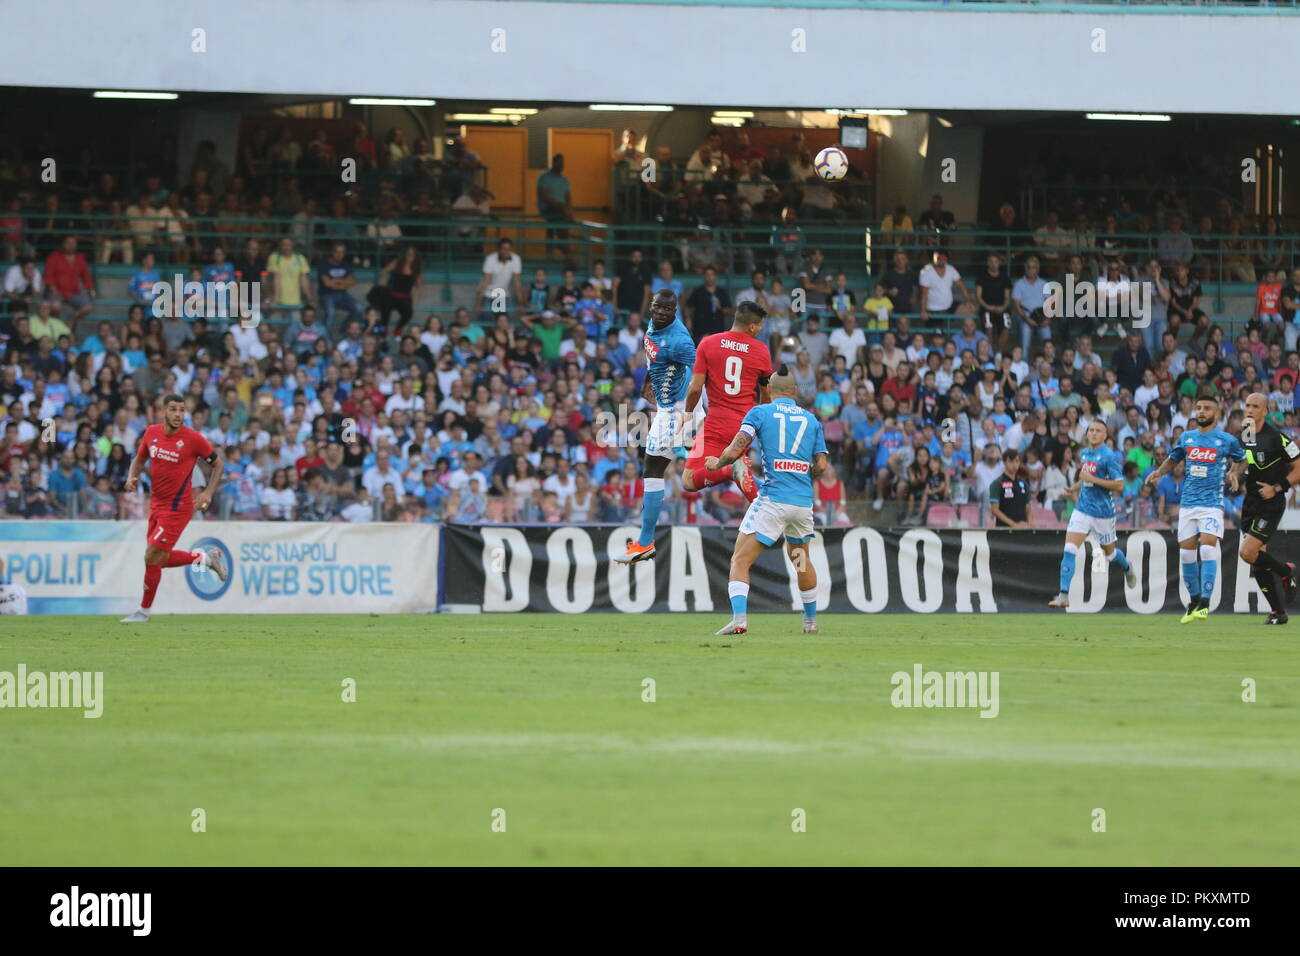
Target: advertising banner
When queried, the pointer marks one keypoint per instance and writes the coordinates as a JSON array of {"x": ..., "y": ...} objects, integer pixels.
[
  {"x": 276, "y": 567},
  {"x": 569, "y": 569}
]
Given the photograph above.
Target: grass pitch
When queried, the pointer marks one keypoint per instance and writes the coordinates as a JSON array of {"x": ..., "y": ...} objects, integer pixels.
[{"x": 542, "y": 716}]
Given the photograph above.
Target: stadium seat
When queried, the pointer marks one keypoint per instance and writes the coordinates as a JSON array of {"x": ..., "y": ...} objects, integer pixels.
[
  {"x": 941, "y": 516},
  {"x": 1043, "y": 517}
]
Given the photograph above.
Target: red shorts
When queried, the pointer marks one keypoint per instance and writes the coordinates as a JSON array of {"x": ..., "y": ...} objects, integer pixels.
[
  {"x": 710, "y": 441},
  {"x": 166, "y": 527}
]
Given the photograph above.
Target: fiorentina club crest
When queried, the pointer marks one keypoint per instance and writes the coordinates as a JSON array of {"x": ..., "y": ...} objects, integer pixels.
[
  {"x": 180, "y": 445},
  {"x": 153, "y": 451}
]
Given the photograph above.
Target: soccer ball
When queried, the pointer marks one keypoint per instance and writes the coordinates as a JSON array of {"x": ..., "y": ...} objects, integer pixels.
[{"x": 831, "y": 163}]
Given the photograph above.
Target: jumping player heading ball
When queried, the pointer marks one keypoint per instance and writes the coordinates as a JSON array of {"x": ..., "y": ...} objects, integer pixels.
[
  {"x": 173, "y": 450},
  {"x": 670, "y": 353},
  {"x": 733, "y": 369}
]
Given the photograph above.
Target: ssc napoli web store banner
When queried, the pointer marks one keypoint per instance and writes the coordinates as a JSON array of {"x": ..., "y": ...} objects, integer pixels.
[
  {"x": 96, "y": 567},
  {"x": 866, "y": 570}
]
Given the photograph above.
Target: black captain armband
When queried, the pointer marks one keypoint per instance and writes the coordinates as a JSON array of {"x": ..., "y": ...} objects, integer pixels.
[{"x": 211, "y": 459}]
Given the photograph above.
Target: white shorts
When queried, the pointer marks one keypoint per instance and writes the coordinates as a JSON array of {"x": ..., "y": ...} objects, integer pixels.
[
  {"x": 768, "y": 520},
  {"x": 1102, "y": 528},
  {"x": 665, "y": 431},
  {"x": 1202, "y": 520}
]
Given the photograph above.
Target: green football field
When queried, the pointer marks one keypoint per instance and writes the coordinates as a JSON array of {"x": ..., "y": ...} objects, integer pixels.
[{"x": 541, "y": 716}]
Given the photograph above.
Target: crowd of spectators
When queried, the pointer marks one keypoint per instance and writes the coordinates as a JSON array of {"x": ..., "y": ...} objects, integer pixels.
[{"x": 339, "y": 404}]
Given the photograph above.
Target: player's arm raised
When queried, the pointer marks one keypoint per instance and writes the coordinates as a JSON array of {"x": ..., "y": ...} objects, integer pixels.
[
  {"x": 212, "y": 476},
  {"x": 732, "y": 452}
]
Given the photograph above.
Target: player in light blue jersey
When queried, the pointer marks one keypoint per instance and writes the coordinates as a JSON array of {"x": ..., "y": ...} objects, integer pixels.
[
  {"x": 792, "y": 447},
  {"x": 670, "y": 356},
  {"x": 1101, "y": 474},
  {"x": 1208, "y": 450}
]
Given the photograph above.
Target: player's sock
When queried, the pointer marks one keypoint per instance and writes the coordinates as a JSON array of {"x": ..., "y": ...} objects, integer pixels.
[
  {"x": 704, "y": 478},
  {"x": 1209, "y": 570},
  {"x": 738, "y": 591},
  {"x": 1191, "y": 572},
  {"x": 809, "y": 599},
  {"x": 1268, "y": 585},
  {"x": 178, "y": 559},
  {"x": 651, "y": 505},
  {"x": 1117, "y": 557},
  {"x": 1067, "y": 566},
  {"x": 1267, "y": 562},
  {"x": 152, "y": 575}
]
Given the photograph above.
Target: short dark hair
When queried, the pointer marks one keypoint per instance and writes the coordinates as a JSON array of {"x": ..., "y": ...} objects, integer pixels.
[
  {"x": 751, "y": 312},
  {"x": 173, "y": 397},
  {"x": 1011, "y": 455}
]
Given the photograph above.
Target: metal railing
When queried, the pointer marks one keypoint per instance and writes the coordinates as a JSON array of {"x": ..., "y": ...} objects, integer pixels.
[{"x": 452, "y": 250}]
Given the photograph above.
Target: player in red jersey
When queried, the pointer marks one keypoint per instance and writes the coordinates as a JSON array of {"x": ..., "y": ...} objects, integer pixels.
[
  {"x": 733, "y": 368},
  {"x": 174, "y": 449}
]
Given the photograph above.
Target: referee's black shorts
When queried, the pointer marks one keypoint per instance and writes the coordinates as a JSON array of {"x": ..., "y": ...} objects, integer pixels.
[{"x": 1259, "y": 518}]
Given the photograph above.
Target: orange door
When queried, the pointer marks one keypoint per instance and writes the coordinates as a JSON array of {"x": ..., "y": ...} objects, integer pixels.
[
  {"x": 504, "y": 151},
  {"x": 588, "y": 162}
]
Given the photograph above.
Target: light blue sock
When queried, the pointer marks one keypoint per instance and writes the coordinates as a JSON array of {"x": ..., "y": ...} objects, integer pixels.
[
  {"x": 1191, "y": 573},
  {"x": 809, "y": 599},
  {"x": 651, "y": 505},
  {"x": 1120, "y": 559},
  {"x": 1209, "y": 570},
  {"x": 1067, "y": 566},
  {"x": 738, "y": 591}
]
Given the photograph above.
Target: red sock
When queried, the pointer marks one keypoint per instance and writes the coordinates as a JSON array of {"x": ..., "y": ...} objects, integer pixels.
[
  {"x": 152, "y": 575},
  {"x": 704, "y": 478},
  {"x": 178, "y": 559}
]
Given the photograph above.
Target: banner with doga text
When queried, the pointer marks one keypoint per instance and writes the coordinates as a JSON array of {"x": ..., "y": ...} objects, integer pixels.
[
  {"x": 569, "y": 569},
  {"x": 96, "y": 567}
]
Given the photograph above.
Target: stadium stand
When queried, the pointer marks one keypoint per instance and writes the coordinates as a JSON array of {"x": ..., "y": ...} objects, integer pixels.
[{"x": 411, "y": 357}]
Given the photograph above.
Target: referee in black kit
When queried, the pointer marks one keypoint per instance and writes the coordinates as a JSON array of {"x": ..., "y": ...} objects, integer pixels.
[{"x": 1272, "y": 466}]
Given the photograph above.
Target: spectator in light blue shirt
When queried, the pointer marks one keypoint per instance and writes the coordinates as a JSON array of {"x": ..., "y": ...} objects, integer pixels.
[
  {"x": 66, "y": 481},
  {"x": 94, "y": 344},
  {"x": 617, "y": 352},
  {"x": 1043, "y": 386},
  {"x": 593, "y": 312},
  {"x": 613, "y": 461},
  {"x": 144, "y": 284},
  {"x": 969, "y": 337},
  {"x": 1027, "y": 297}
]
